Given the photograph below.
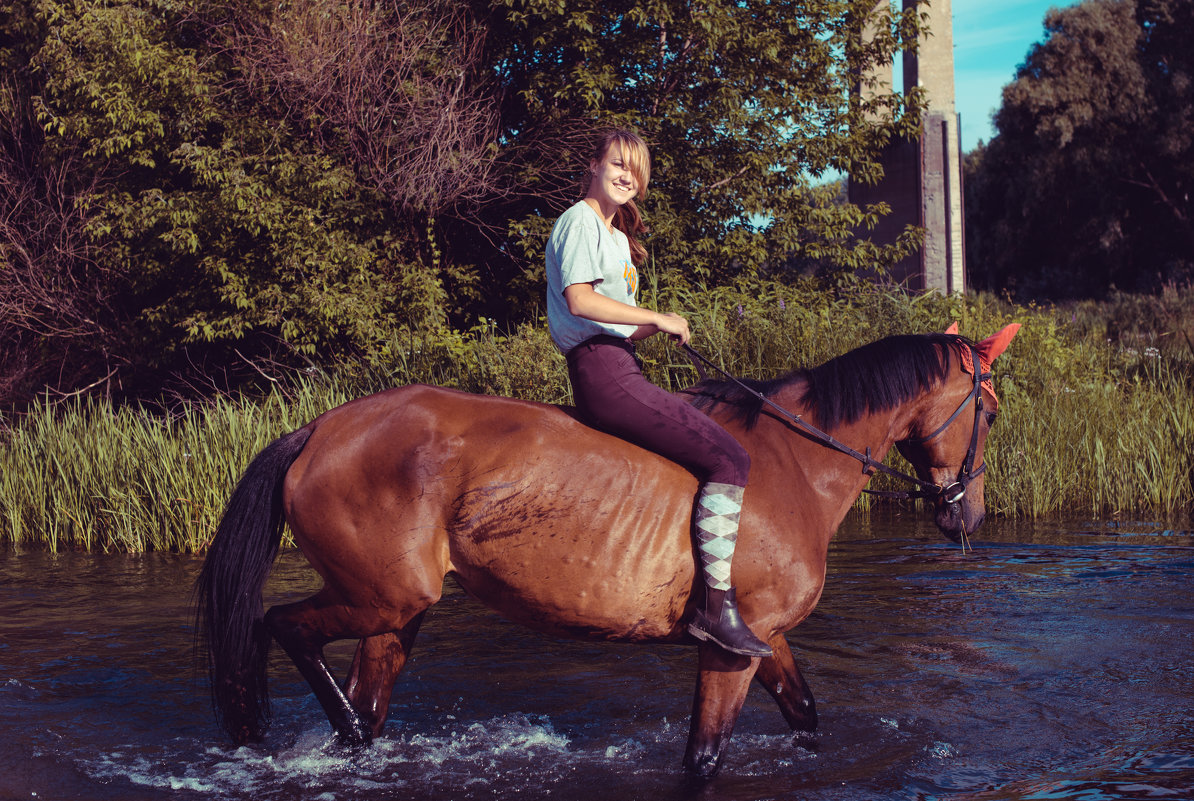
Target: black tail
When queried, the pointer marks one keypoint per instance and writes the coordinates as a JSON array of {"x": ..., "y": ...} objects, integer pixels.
[{"x": 228, "y": 591}]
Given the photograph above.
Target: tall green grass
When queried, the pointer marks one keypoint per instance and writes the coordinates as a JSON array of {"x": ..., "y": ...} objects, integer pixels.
[
  {"x": 1090, "y": 423},
  {"x": 91, "y": 477}
]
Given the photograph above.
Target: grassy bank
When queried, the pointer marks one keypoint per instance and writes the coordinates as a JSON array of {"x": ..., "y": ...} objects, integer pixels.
[{"x": 1097, "y": 416}]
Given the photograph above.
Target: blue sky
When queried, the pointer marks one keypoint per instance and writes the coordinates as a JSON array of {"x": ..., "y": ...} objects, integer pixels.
[{"x": 991, "y": 39}]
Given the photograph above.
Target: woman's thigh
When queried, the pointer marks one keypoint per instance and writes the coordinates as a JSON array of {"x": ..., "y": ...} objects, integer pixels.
[{"x": 613, "y": 394}]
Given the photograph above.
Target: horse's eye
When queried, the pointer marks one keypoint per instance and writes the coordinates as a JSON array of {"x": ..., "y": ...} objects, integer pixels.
[{"x": 991, "y": 419}]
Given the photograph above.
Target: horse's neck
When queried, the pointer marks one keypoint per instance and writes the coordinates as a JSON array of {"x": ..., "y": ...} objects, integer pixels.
[{"x": 836, "y": 477}]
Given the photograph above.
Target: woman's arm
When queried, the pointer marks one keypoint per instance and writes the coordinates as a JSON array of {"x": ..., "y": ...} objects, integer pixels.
[{"x": 583, "y": 301}]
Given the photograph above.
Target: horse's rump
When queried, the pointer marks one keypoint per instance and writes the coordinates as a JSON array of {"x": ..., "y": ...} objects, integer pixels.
[{"x": 541, "y": 517}]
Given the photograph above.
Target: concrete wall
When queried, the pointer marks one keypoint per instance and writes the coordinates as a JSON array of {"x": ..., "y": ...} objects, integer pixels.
[{"x": 923, "y": 179}]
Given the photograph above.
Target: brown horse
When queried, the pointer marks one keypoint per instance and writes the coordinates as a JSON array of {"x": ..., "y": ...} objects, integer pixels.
[{"x": 568, "y": 530}]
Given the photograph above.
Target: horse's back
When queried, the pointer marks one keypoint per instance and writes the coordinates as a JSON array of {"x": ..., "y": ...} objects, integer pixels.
[{"x": 542, "y": 517}]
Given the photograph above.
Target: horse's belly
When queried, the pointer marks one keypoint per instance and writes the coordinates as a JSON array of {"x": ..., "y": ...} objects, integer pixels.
[{"x": 577, "y": 562}]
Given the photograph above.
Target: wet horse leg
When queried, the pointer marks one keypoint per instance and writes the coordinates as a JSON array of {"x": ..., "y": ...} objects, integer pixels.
[
  {"x": 722, "y": 683},
  {"x": 303, "y": 629},
  {"x": 780, "y": 675},
  {"x": 375, "y": 668}
]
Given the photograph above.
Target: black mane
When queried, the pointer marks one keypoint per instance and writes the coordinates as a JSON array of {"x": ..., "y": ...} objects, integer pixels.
[{"x": 872, "y": 378}]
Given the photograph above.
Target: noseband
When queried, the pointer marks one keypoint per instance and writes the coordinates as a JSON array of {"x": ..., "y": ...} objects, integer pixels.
[{"x": 952, "y": 493}]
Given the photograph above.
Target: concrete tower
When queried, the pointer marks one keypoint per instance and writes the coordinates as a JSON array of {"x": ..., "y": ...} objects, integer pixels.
[{"x": 923, "y": 179}]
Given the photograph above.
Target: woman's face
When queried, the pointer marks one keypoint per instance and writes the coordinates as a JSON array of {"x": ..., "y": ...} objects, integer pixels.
[{"x": 613, "y": 179}]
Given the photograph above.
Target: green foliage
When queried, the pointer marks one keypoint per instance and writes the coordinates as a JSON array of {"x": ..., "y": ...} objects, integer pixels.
[
  {"x": 301, "y": 180},
  {"x": 746, "y": 105},
  {"x": 86, "y": 474},
  {"x": 97, "y": 478},
  {"x": 1087, "y": 184},
  {"x": 222, "y": 227},
  {"x": 20, "y": 30}
]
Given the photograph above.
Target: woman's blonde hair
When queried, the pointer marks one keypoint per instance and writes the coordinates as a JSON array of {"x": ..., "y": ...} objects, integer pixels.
[{"x": 637, "y": 158}]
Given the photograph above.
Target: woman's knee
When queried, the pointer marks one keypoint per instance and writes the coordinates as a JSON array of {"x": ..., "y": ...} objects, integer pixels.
[{"x": 731, "y": 466}]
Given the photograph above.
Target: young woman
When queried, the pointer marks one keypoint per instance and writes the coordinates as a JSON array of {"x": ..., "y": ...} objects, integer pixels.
[{"x": 593, "y": 318}]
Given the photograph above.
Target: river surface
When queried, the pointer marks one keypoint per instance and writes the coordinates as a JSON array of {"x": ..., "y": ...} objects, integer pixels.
[{"x": 1052, "y": 662}]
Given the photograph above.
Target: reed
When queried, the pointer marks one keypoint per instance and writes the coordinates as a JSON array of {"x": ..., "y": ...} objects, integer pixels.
[{"x": 1089, "y": 424}]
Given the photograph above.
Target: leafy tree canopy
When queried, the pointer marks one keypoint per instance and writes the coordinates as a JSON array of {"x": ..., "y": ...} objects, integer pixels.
[
  {"x": 224, "y": 228},
  {"x": 747, "y": 107},
  {"x": 1086, "y": 185}
]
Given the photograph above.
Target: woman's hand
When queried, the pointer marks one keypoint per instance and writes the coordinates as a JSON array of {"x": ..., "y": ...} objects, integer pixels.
[{"x": 674, "y": 326}]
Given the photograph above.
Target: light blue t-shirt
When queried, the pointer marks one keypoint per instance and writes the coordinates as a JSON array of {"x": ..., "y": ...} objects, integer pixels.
[{"x": 582, "y": 250}]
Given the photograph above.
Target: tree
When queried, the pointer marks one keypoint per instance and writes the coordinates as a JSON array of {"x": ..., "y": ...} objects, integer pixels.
[
  {"x": 56, "y": 313},
  {"x": 747, "y": 107},
  {"x": 56, "y": 309},
  {"x": 224, "y": 212},
  {"x": 1086, "y": 185},
  {"x": 393, "y": 87},
  {"x": 302, "y": 179}
]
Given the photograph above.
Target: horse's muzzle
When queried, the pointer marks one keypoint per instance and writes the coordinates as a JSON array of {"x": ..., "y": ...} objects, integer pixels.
[{"x": 957, "y": 517}]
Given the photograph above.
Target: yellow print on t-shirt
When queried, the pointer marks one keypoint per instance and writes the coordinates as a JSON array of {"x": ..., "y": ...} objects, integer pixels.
[{"x": 631, "y": 276}]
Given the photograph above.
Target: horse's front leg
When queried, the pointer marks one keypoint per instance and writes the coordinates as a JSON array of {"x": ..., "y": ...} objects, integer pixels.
[
  {"x": 722, "y": 683},
  {"x": 780, "y": 675},
  {"x": 375, "y": 668}
]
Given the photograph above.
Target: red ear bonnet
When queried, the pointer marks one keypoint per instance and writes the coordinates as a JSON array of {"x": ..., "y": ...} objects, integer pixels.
[
  {"x": 990, "y": 348},
  {"x": 988, "y": 351}
]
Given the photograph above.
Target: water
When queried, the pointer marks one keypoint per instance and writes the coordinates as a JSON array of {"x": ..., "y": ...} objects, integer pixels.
[{"x": 1053, "y": 662}]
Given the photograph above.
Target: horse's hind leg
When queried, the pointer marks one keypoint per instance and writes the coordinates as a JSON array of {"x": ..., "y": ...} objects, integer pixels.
[
  {"x": 780, "y": 675},
  {"x": 375, "y": 668},
  {"x": 723, "y": 680},
  {"x": 302, "y": 629}
]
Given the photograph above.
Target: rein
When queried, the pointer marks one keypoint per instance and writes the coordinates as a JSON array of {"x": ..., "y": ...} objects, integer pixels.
[{"x": 952, "y": 492}]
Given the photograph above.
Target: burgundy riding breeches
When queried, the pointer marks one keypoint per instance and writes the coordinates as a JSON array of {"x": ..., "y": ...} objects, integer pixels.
[{"x": 613, "y": 395}]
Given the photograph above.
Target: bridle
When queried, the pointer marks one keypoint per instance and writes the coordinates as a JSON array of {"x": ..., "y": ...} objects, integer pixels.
[{"x": 952, "y": 492}]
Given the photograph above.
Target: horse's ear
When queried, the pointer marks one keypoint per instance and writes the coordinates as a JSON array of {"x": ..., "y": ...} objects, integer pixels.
[
  {"x": 990, "y": 348},
  {"x": 953, "y": 328}
]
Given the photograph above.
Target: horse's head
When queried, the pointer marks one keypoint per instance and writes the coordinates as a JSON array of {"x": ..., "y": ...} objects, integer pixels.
[{"x": 945, "y": 443}]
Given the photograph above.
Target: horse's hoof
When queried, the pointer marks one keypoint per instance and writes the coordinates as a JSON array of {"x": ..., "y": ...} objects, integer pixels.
[
  {"x": 356, "y": 736},
  {"x": 705, "y": 766}
]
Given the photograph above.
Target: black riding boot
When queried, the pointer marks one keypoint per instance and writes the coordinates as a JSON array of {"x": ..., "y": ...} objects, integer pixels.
[{"x": 717, "y": 620}]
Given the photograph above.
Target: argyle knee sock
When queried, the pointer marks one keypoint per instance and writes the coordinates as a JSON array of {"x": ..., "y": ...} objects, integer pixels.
[{"x": 718, "y": 508}]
